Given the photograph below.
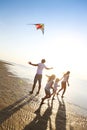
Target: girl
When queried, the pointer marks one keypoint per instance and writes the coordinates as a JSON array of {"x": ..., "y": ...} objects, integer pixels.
[
  {"x": 55, "y": 87},
  {"x": 65, "y": 79},
  {"x": 48, "y": 87}
]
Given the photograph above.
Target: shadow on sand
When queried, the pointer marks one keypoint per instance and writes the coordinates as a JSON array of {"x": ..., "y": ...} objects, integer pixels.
[
  {"x": 10, "y": 110},
  {"x": 40, "y": 122},
  {"x": 60, "y": 120}
]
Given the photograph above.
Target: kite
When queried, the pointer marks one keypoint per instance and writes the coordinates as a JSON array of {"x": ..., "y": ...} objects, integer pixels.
[{"x": 39, "y": 26}]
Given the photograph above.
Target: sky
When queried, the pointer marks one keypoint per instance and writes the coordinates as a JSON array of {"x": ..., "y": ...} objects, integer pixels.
[{"x": 64, "y": 43}]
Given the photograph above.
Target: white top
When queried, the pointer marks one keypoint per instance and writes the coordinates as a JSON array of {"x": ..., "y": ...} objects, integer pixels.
[
  {"x": 40, "y": 68},
  {"x": 48, "y": 85},
  {"x": 56, "y": 85},
  {"x": 65, "y": 78}
]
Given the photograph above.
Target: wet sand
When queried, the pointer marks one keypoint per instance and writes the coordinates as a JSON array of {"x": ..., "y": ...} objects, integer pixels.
[{"x": 21, "y": 111}]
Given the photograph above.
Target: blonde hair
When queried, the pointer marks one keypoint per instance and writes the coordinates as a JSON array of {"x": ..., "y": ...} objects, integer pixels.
[
  {"x": 57, "y": 79},
  {"x": 68, "y": 72},
  {"x": 51, "y": 77}
]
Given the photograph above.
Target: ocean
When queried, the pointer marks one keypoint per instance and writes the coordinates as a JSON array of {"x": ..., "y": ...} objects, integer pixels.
[{"x": 75, "y": 94}]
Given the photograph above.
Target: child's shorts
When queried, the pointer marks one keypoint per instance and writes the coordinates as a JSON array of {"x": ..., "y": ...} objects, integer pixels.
[{"x": 47, "y": 92}]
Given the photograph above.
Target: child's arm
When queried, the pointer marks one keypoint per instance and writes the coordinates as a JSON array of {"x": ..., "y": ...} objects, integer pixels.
[
  {"x": 67, "y": 81},
  {"x": 61, "y": 78},
  {"x": 47, "y": 76},
  {"x": 52, "y": 86}
]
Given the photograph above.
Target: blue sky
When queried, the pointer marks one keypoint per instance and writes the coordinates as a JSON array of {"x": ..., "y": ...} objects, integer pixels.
[{"x": 64, "y": 44}]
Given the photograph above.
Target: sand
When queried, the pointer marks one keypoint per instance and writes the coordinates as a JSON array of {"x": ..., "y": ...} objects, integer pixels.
[{"x": 21, "y": 111}]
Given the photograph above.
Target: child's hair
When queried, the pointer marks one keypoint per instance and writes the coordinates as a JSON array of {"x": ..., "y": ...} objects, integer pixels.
[
  {"x": 68, "y": 72},
  {"x": 51, "y": 77},
  {"x": 57, "y": 79}
]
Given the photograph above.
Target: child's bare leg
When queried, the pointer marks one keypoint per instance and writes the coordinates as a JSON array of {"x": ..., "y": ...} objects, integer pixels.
[
  {"x": 53, "y": 95},
  {"x": 43, "y": 99},
  {"x": 47, "y": 96}
]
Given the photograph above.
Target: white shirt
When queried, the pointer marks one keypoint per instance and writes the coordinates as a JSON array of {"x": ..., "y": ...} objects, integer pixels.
[
  {"x": 48, "y": 85},
  {"x": 65, "y": 78},
  {"x": 40, "y": 68},
  {"x": 56, "y": 85}
]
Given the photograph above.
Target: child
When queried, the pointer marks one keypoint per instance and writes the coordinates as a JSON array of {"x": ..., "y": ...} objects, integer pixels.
[
  {"x": 48, "y": 87},
  {"x": 55, "y": 87},
  {"x": 65, "y": 79}
]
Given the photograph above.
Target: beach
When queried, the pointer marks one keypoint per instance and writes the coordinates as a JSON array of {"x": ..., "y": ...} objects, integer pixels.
[{"x": 20, "y": 110}]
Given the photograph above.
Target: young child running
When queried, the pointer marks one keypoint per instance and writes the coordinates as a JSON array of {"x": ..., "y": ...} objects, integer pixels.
[
  {"x": 48, "y": 87},
  {"x": 55, "y": 87},
  {"x": 65, "y": 81}
]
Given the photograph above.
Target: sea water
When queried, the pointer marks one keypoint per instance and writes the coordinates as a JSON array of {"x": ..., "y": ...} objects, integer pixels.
[
  {"x": 75, "y": 94},
  {"x": 22, "y": 71}
]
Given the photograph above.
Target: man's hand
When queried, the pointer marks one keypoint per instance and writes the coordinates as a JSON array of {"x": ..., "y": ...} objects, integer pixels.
[{"x": 29, "y": 62}]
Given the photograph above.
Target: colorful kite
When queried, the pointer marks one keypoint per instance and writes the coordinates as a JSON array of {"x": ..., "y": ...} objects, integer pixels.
[{"x": 39, "y": 26}]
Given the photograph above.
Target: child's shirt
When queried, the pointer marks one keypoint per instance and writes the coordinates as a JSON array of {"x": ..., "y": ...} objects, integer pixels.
[
  {"x": 49, "y": 85},
  {"x": 65, "y": 78},
  {"x": 56, "y": 86}
]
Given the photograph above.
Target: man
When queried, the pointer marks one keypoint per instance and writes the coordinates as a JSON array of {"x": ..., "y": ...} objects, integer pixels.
[{"x": 38, "y": 75}]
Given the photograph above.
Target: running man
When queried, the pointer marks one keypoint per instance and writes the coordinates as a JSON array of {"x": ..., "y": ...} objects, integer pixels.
[{"x": 38, "y": 75}]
